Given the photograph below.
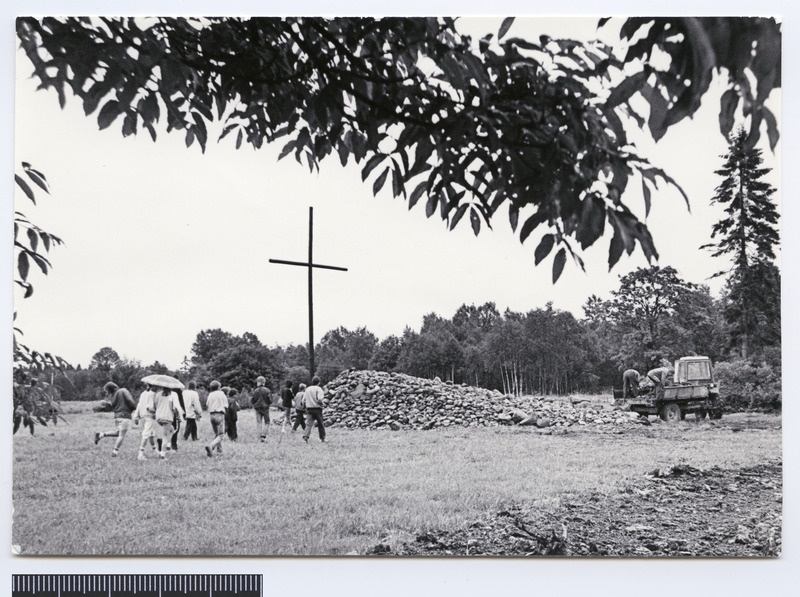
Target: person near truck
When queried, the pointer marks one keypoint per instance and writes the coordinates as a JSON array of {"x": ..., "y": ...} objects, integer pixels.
[
  {"x": 660, "y": 377},
  {"x": 630, "y": 384}
]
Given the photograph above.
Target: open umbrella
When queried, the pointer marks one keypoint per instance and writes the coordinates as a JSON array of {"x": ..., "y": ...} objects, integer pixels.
[{"x": 163, "y": 381}]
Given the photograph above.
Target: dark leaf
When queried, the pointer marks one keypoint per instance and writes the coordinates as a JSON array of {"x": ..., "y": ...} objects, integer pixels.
[
  {"x": 25, "y": 188},
  {"x": 513, "y": 216},
  {"x": 614, "y": 251},
  {"x": 38, "y": 178},
  {"x": 646, "y": 193},
  {"x": 530, "y": 225},
  {"x": 287, "y": 149},
  {"x": 33, "y": 239},
  {"x": 23, "y": 265},
  {"x": 772, "y": 128},
  {"x": 458, "y": 215},
  {"x": 558, "y": 264},
  {"x": 727, "y": 111},
  {"x": 129, "y": 124},
  {"x": 417, "y": 193},
  {"x": 108, "y": 114},
  {"x": 371, "y": 164},
  {"x": 376, "y": 186},
  {"x": 475, "y": 220},
  {"x": 544, "y": 248},
  {"x": 430, "y": 206},
  {"x": 504, "y": 27},
  {"x": 200, "y": 131},
  {"x": 625, "y": 90}
]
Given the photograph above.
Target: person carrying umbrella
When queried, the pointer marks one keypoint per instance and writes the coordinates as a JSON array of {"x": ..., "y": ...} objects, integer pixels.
[{"x": 167, "y": 409}]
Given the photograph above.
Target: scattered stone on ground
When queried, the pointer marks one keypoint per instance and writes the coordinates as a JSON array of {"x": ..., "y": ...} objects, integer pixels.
[
  {"x": 378, "y": 400},
  {"x": 675, "y": 512}
]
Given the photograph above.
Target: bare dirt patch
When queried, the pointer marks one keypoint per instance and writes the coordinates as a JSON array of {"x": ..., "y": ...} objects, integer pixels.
[{"x": 677, "y": 512}]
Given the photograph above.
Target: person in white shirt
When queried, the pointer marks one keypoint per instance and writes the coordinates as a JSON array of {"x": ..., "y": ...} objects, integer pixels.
[
  {"x": 194, "y": 411},
  {"x": 167, "y": 409},
  {"x": 313, "y": 398},
  {"x": 146, "y": 411},
  {"x": 217, "y": 405}
]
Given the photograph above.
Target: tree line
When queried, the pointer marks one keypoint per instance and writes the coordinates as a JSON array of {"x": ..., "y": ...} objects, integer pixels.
[{"x": 653, "y": 314}]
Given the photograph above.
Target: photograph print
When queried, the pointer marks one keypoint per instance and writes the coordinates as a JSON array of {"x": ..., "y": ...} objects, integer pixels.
[{"x": 401, "y": 286}]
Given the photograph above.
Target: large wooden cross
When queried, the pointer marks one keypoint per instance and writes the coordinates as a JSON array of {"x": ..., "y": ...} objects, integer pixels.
[{"x": 310, "y": 265}]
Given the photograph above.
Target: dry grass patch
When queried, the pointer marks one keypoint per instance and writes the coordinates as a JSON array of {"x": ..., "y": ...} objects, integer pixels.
[{"x": 286, "y": 497}]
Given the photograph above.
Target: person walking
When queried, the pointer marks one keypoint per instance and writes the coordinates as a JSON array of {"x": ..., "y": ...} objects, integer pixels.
[
  {"x": 299, "y": 408},
  {"x": 630, "y": 384},
  {"x": 194, "y": 411},
  {"x": 287, "y": 401},
  {"x": 232, "y": 415},
  {"x": 261, "y": 399},
  {"x": 146, "y": 412},
  {"x": 168, "y": 409},
  {"x": 313, "y": 397},
  {"x": 217, "y": 405},
  {"x": 123, "y": 406}
]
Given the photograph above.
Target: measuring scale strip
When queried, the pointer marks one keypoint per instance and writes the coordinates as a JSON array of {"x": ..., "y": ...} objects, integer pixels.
[{"x": 136, "y": 585}]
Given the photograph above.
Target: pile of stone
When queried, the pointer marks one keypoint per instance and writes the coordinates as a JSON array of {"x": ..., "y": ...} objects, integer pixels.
[{"x": 379, "y": 400}]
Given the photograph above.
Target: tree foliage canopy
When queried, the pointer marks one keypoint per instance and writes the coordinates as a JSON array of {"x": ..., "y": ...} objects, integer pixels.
[{"x": 462, "y": 128}]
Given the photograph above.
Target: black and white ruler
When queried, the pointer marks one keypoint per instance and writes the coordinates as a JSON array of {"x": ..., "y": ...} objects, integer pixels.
[{"x": 136, "y": 585}]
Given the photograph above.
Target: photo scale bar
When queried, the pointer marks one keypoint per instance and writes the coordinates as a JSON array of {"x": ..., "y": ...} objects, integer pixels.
[{"x": 136, "y": 585}]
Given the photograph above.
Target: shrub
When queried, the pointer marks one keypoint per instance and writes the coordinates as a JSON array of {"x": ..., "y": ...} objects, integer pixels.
[{"x": 749, "y": 384}]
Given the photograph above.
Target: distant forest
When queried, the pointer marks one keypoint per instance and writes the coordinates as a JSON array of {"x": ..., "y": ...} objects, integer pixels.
[{"x": 653, "y": 315}]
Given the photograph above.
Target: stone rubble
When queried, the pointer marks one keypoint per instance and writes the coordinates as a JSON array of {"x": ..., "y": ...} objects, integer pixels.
[{"x": 379, "y": 400}]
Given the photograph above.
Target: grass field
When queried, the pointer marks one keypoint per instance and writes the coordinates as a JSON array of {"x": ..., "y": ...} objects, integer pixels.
[{"x": 285, "y": 497}]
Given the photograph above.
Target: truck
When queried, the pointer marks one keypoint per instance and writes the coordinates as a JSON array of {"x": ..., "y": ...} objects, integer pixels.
[{"x": 693, "y": 390}]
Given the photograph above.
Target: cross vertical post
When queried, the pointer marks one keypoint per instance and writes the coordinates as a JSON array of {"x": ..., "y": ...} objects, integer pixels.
[
  {"x": 312, "y": 364},
  {"x": 310, "y": 265}
]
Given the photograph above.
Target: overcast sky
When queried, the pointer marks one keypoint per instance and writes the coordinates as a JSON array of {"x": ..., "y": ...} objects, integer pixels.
[{"x": 164, "y": 241}]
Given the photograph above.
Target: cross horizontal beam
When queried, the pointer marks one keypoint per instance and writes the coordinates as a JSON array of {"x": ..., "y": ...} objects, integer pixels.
[{"x": 305, "y": 264}]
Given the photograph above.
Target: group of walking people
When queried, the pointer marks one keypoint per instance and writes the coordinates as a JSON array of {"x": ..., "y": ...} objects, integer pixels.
[{"x": 162, "y": 410}]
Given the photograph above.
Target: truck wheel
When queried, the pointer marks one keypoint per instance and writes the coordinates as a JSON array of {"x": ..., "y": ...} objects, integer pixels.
[
  {"x": 700, "y": 414},
  {"x": 671, "y": 413},
  {"x": 716, "y": 413}
]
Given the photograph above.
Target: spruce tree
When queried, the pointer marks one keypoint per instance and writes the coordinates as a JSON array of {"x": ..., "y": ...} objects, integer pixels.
[{"x": 748, "y": 234}]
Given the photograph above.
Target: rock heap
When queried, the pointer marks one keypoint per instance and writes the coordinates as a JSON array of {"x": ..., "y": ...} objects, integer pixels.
[{"x": 378, "y": 400}]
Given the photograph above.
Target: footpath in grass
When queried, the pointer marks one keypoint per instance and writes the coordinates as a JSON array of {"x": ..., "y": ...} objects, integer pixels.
[{"x": 361, "y": 489}]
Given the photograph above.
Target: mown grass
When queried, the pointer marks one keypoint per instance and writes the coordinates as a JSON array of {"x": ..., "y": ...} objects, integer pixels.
[{"x": 286, "y": 497}]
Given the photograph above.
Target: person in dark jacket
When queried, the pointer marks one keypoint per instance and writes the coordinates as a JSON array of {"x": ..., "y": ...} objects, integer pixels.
[
  {"x": 123, "y": 405},
  {"x": 232, "y": 415},
  {"x": 261, "y": 398},
  {"x": 300, "y": 408},
  {"x": 287, "y": 401}
]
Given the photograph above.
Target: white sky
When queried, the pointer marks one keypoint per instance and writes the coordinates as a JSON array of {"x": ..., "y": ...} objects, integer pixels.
[
  {"x": 74, "y": 314},
  {"x": 162, "y": 242}
]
